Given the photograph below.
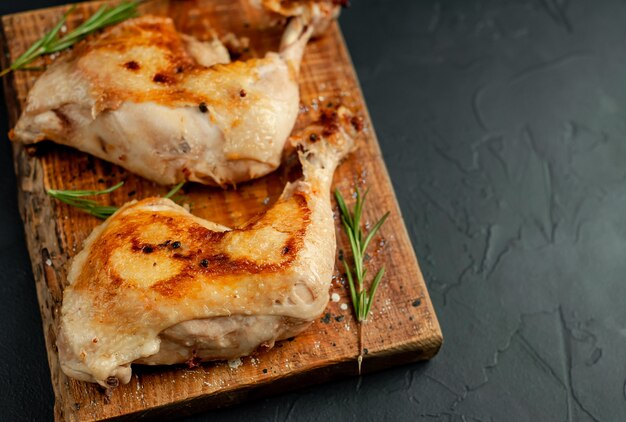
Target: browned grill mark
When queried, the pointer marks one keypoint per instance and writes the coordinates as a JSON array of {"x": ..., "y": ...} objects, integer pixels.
[
  {"x": 161, "y": 78},
  {"x": 132, "y": 65}
]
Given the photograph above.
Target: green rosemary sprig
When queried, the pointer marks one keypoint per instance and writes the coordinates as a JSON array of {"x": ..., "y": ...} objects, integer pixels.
[
  {"x": 362, "y": 297},
  {"x": 76, "y": 199},
  {"x": 174, "y": 190},
  {"x": 53, "y": 43}
]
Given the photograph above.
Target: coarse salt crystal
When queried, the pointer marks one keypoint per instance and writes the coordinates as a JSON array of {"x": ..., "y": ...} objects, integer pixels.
[
  {"x": 343, "y": 306},
  {"x": 335, "y": 297},
  {"x": 235, "y": 363}
]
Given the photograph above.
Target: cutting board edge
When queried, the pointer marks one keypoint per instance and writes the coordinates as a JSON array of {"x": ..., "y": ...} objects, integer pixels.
[
  {"x": 252, "y": 392},
  {"x": 428, "y": 301},
  {"x": 403, "y": 354},
  {"x": 36, "y": 259}
]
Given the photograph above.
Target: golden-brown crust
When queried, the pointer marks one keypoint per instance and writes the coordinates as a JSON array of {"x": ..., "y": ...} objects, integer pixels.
[
  {"x": 186, "y": 253},
  {"x": 145, "y": 59}
]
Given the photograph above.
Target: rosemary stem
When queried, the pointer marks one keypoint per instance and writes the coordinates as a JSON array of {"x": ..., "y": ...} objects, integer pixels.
[{"x": 360, "y": 357}]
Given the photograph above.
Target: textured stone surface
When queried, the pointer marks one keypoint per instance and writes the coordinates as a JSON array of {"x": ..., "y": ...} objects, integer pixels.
[{"x": 503, "y": 125}]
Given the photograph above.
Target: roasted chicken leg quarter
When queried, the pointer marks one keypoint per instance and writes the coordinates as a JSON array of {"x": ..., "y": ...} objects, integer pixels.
[
  {"x": 156, "y": 285},
  {"x": 169, "y": 107}
]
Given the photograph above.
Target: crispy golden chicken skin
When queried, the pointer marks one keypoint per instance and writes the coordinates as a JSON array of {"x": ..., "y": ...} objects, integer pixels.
[
  {"x": 156, "y": 285},
  {"x": 167, "y": 106}
]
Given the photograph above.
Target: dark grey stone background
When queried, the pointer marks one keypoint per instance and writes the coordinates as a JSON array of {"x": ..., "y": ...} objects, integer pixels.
[{"x": 503, "y": 125}]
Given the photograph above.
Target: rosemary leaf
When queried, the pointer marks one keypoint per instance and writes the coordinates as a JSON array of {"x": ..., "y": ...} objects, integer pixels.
[
  {"x": 351, "y": 285},
  {"x": 174, "y": 190},
  {"x": 374, "y": 229},
  {"x": 345, "y": 214},
  {"x": 375, "y": 283}
]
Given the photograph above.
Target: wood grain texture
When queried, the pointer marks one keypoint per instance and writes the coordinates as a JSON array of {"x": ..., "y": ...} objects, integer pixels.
[{"x": 403, "y": 327}]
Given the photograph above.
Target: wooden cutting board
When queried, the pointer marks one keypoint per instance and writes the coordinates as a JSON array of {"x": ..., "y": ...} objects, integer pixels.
[{"x": 403, "y": 327}]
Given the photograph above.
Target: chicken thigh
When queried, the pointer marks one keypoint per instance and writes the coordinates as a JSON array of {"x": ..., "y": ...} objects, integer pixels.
[
  {"x": 169, "y": 107},
  {"x": 156, "y": 285}
]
